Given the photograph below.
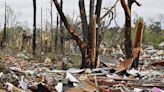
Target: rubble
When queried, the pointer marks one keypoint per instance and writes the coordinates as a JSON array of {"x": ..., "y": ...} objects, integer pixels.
[
  {"x": 21, "y": 75},
  {"x": 161, "y": 44}
]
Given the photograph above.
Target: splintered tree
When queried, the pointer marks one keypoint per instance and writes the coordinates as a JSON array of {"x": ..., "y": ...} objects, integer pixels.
[
  {"x": 89, "y": 46},
  {"x": 127, "y": 29},
  {"x": 90, "y": 33},
  {"x": 34, "y": 28}
]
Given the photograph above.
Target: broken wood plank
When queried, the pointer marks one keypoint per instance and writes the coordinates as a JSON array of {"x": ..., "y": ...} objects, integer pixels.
[
  {"x": 158, "y": 63},
  {"x": 113, "y": 78}
]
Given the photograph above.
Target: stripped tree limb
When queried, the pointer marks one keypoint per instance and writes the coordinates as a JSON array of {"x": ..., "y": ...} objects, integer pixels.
[
  {"x": 80, "y": 43},
  {"x": 91, "y": 13},
  {"x": 93, "y": 53},
  {"x": 137, "y": 44},
  {"x": 98, "y": 31},
  {"x": 138, "y": 35},
  {"x": 98, "y": 10}
]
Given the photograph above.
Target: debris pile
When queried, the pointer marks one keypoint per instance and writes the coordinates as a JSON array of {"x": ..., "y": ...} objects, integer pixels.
[{"x": 20, "y": 75}]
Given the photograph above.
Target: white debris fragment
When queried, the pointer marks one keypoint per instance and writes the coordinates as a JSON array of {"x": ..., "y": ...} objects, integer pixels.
[
  {"x": 71, "y": 78},
  {"x": 74, "y": 70},
  {"x": 160, "y": 52},
  {"x": 9, "y": 86},
  {"x": 22, "y": 56},
  {"x": 23, "y": 84},
  {"x": 30, "y": 72},
  {"x": 137, "y": 90},
  {"x": 161, "y": 44},
  {"x": 133, "y": 72},
  {"x": 16, "y": 68},
  {"x": 59, "y": 87},
  {"x": 47, "y": 60},
  {"x": 1, "y": 74}
]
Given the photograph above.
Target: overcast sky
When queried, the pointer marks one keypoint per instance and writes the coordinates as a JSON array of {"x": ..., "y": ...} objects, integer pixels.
[{"x": 24, "y": 9}]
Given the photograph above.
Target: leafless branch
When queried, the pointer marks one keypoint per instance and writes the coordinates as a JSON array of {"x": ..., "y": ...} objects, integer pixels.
[{"x": 109, "y": 11}]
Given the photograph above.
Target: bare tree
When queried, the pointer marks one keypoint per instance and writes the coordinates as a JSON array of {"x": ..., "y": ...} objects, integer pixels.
[
  {"x": 90, "y": 43},
  {"x": 34, "y": 28},
  {"x": 127, "y": 29},
  {"x": 56, "y": 33},
  {"x": 51, "y": 14},
  {"x": 61, "y": 31}
]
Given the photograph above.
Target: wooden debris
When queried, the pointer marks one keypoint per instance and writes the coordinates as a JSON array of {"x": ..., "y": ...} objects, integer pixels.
[
  {"x": 125, "y": 65},
  {"x": 158, "y": 63},
  {"x": 86, "y": 86},
  {"x": 2, "y": 90}
]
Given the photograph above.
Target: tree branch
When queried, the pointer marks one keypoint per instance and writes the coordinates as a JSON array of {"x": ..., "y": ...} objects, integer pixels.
[
  {"x": 137, "y": 3},
  {"x": 80, "y": 43},
  {"x": 110, "y": 10},
  {"x": 83, "y": 20},
  {"x": 98, "y": 10}
]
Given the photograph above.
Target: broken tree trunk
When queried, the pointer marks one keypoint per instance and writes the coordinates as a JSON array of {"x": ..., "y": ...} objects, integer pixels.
[
  {"x": 137, "y": 44},
  {"x": 98, "y": 29},
  {"x": 127, "y": 29},
  {"x": 86, "y": 50},
  {"x": 61, "y": 31},
  {"x": 138, "y": 35},
  {"x": 93, "y": 52},
  {"x": 56, "y": 33},
  {"x": 91, "y": 13},
  {"x": 52, "y": 33},
  {"x": 74, "y": 35},
  {"x": 34, "y": 28},
  {"x": 134, "y": 61},
  {"x": 83, "y": 20},
  {"x": 127, "y": 33}
]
